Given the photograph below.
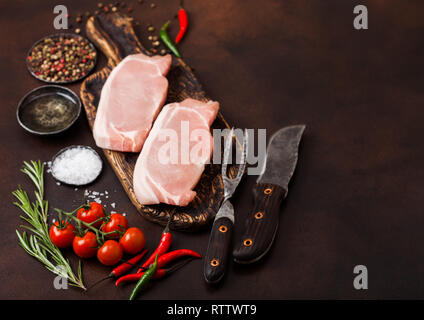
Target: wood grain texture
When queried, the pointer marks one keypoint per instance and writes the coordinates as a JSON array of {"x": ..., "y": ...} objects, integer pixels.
[
  {"x": 261, "y": 224},
  {"x": 216, "y": 259},
  {"x": 114, "y": 35}
]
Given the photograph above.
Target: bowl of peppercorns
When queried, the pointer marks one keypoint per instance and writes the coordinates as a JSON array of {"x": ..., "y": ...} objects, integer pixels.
[{"x": 61, "y": 58}]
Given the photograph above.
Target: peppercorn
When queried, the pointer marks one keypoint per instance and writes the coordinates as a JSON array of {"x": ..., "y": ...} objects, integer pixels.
[{"x": 55, "y": 58}]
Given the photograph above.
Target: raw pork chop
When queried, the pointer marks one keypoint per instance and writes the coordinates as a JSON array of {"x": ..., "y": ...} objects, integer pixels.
[
  {"x": 131, "y": 99},
  {"x": 175, "y": 152}
]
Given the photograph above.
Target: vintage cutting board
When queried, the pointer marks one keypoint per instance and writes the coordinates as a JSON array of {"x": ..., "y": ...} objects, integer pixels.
[{"x": 115, "y": 37}]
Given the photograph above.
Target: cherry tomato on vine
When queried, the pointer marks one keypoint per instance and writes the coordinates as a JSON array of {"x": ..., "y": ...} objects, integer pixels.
[
  {"x": 110, "y": 253},
  {"x": 62, "y": 234},
  {"x": 117, "y": 222},
  {"x": 85, "y": 246},
  {"x": 89, "y": 215},
  {"x": 133, "y": 241}
]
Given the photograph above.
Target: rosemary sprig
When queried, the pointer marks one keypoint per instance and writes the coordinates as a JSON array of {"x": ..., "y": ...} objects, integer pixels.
[{"x": 38, "y": 243}]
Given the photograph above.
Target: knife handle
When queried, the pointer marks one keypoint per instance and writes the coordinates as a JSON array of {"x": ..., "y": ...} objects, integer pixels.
[
  {"x": 216, "y": 259},
  {"x": 261, "y": 224}
]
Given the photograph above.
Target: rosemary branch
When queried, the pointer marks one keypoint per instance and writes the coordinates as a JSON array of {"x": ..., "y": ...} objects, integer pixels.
[{"x": 38, "y": 243}]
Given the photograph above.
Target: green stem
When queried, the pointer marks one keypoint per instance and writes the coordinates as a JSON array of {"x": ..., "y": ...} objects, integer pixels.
[{"x": 38, "y": 243}]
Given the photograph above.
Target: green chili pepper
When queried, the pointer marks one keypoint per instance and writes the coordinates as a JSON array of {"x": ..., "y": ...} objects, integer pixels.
[
  {"x": 144, "y": 279},
  {"x": 167, "y": 40}
]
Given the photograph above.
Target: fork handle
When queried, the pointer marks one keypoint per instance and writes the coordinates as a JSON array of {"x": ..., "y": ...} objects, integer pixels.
[{"x": 216, "y": 259}]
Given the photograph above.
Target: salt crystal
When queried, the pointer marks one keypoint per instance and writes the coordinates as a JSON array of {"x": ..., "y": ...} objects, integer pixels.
[
  {"x": 124, "y": 214},
  {"x": 113, "y": 205},
  {"x": 77, "y": 166},
  {"x": 58, "y": 183}
]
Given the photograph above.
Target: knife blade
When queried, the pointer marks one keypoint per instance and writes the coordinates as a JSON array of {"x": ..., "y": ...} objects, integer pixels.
[{"x": 269, "y": 191}]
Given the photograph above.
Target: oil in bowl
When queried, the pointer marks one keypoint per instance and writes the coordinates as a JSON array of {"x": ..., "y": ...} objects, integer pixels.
[{"x": 48, "y": 110}]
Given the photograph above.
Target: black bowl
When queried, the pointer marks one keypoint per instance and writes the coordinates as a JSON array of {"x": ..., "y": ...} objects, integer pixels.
[
  {"x": 48, "y": 110},
  {"x": 54, "y": 36},
  {"x": 81, "y": 147}
]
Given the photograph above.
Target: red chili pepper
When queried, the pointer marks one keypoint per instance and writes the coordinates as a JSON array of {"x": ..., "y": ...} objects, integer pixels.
[
  {"x": 121, "y": 269},
  {"x": 173, "y": 255},
  {"x": 183, "y": 18},
  {"x": 137, "y": 276},
  {"x": 163, "y": 247},
  {"x": 162, "y": 261}
]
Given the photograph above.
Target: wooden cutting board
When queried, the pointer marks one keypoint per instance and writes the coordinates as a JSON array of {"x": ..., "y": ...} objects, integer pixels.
[{"x": 114, "y": 35}]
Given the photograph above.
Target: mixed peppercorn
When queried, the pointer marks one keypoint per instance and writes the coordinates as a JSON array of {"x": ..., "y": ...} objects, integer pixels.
[{"x": 62, "y": 58}]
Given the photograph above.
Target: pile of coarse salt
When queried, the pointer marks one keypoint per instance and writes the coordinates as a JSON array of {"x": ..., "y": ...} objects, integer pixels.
[{"x": 76, "y": 166}]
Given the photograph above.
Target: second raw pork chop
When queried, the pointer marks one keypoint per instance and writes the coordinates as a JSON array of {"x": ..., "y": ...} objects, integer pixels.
[
  {"x": 131, "y": 99},
  {"x": 175, "y": 153}
]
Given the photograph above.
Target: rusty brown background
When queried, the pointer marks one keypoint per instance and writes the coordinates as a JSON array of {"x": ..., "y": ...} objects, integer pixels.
[{"x": 357, "y": 195}]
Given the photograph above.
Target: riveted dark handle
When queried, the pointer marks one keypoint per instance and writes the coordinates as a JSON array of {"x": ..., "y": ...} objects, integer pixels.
[
  {"x": 216, "y": 259},
  {"x": 261, "y": 224}
]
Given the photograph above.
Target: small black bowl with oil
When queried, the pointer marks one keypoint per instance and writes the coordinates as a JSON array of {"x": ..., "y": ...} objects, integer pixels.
[{"x": 48, "y": 110}]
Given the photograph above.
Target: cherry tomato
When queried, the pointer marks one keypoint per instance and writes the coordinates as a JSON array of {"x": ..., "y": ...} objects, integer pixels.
[
  {"x": 110, "y": 253},
  {"x": 117, "y": 222},
  {"x": 92, "y": 214},
  {"x": 85, "y": 246},
  {"x": 133, "y": 241},
  {"x": 62, "y": 237}
]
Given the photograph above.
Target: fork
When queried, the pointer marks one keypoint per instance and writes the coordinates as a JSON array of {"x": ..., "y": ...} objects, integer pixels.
[{"x": 220, "y": 238}]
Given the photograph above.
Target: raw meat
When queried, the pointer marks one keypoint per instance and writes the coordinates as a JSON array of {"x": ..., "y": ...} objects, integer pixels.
[
  {"x": 175, "y": 153},
  {"x": 131, "y": 99}
]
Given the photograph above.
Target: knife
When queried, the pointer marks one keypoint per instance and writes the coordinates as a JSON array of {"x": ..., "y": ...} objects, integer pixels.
[{"x": 269, "y": 191}]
